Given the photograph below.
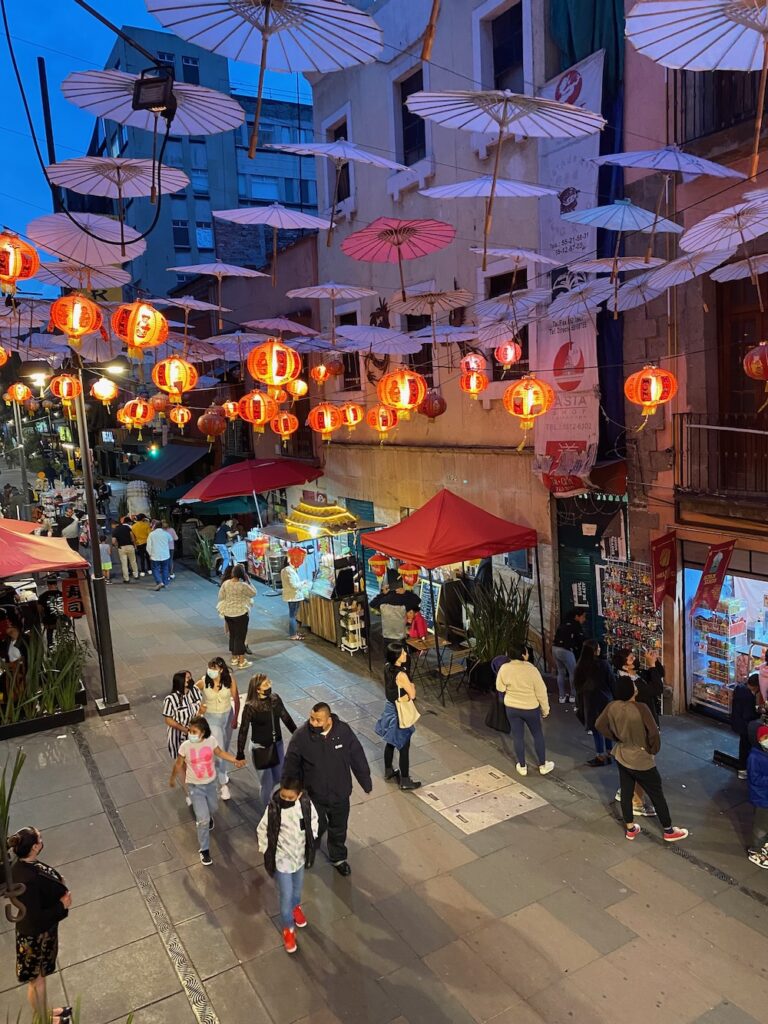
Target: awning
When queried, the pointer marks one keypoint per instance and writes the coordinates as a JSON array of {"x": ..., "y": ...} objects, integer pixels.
[
  {"x": 24, "y": 554},
  {"x": 252, "y": 476},
  {"x": 172, "y": 460}
]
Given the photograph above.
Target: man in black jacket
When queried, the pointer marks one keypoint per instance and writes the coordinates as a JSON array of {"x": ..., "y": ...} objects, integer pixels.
[
  {"x": 743, "y": 712},
  {"x": 324, "y": 753}
]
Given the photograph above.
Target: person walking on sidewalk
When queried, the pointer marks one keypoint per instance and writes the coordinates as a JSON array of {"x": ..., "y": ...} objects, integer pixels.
[
  {"x": 526, "y": 703},
  {"x": 743, "y": 711},
  {"x": 221, "y": 539},
  {"x": 219, "y": 691},
  {"x": 397, "y": 686},
  {"x": 159, "y": 552},
  {"x": 46, "y": 900},
  {"x": 263, "y": 712},
  {"x": 593, "y": 681},
  {"x": 286, "y": 835},
  {"x": 323, "y": 754},
  {"x": 649, "y": 684},
  {"x": 140, "y": 531},
  {"x": 566, "y": 649},
  {"x": 632, "y": 729},
  {"x": 757, "y": 773},
  {"x": 235, "y": 598},
  {"x": 173, "y": 537},
  {"x": 179, "y": 708},
  {"x": 122, "y": 539},
  {"x": 197, "y": 760},
  {"x": 294, "y": 589}
]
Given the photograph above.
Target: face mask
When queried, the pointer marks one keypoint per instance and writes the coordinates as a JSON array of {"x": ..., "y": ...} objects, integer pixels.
[
  {"x": 286, "y": 804},
  {"x": 315, "y": 729},
  {"x": 266, "y": 693},
  {"x": 764, "y": 744},
  {"x": 195, "y": 738},
  {"x": 213, "y": 673}
]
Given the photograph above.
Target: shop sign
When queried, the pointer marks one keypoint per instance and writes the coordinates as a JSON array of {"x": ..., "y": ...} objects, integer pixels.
[
  {"x": 74, "y": 608},
  {"x": 713, "y": 576},
  {"x": 664, "y": 568}
]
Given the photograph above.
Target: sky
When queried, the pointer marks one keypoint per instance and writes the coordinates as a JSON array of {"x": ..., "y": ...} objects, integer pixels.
[{"x": 69, "y": 39}]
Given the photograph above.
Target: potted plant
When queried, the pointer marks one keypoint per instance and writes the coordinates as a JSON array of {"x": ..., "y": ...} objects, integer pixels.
[
  {"x": 497, "y": 623},
  {"x": 205, "y": 555}
]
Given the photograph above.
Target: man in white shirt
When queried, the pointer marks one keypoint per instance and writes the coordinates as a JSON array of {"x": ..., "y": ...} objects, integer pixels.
[
  {"x": 294, "y": 589},
  {"x": 159, "y": 551}
]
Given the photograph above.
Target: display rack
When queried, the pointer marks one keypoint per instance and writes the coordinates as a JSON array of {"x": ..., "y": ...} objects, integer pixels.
[
  {"x": 718, "y": 646},
  {"x": 627, "y": 607},
  {"x": 352, "y": 625}
]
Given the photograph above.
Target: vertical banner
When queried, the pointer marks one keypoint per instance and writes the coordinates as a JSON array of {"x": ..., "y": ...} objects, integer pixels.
[
  {"x": 566, "y": 350},
  {"x": 664, "y": 568},
  {"x": 713, "y": 576}
]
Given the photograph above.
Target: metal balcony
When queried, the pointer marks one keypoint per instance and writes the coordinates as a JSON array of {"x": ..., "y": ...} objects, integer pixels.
[{"x": 721, "y": 458}]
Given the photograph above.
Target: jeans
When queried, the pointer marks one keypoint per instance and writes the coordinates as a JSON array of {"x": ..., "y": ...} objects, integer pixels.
[
  {"x": 289, "y": 886},
  {"x": 403, "y": 761},
  {"x": 267, "y": 778},
  {"x": 566, "y": 665},
  {"x": 602, "y": 745},
  {"x": 205, "y": 801},
  {"x": 759, "y": 829},
  {"x": 333, "y": 818},
  {"x": 293, "y": 611},
  {"x": 221, "y": 729},
  {"x": 518, "y": 718},
  {"x": 237, "y": 628},
  {"x": 225, "y": 555},
  {"x": 650, "y": 780},
  {"x": 161, "y": 570}
]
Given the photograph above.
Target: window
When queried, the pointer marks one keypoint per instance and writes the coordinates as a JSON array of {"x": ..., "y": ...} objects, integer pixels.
[
  {"x": 174, "y": 154},
  {"x": 742, "y": 326},
  {"x": 421, "y": 361},
  {"x": 414, "y": 138},
  {"x": 499, "y": 286},
  {"x": 204, "y": 235},
  {"x": 266, "y": 134},
  {"x": 242, "y": 186},
  {"x": 169, "y": 59},
  {"x": 292, "y": 191},
  {"x": 190, "y": 70},
  {"x": 507, "y": 43},
  {"x": 351, "y": 381},
  {"x": 199, "y": 180},
  {"x": 308, "y": 192},
  {"x": 344, "y": 190},
  {"x": 264, "y": 188},
  {"x": 180, "y": 234},
  {"x": 114, "y": 145},
  {"x": 198, "y": 156}
]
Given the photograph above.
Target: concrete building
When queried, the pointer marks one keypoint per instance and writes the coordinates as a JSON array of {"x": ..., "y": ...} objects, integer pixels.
[{"x": 221, "y": 174}]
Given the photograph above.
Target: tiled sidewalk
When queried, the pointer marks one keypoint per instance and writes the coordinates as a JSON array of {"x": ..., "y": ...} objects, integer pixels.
[{"x": 549, "y": 917}]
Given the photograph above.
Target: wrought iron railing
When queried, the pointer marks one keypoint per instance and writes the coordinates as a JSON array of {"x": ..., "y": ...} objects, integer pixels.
[{"x": 724, "y": 457}]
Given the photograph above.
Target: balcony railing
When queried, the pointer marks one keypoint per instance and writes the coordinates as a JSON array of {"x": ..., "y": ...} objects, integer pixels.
[
  {"x": 726, "y": 458},
  {"x": 708, "y": 103}
]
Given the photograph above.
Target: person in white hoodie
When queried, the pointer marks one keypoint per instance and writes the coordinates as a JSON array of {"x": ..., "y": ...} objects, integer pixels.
[
  {"x": 526, "y": 703},
  {"x": 159, "y": 553},
  {"x": 295, "y": 589}
]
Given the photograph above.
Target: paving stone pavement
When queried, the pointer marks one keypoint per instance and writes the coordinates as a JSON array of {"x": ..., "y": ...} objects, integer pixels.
[{"x": 548, "y": 917}]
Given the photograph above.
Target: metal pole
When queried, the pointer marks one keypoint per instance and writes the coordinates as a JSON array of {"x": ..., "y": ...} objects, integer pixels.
[
  {"x": 541, "y": 605},
  {"x": 110, "y": 701},
  {"x": 23, "y": 509},
  {"x": 151, "y": 57},
  {"x": 437, "y": 642},
  {"x": 49, "y": 142}
]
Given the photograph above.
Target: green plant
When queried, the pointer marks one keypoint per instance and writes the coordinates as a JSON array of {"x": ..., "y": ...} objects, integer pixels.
[
  {"x": 205, "y": 554},
  {"x": 497, "y": 618},
  {"x": 18, "y": 693},
  {"x": 8, "y": 890},
  {"x": 50, "y": 681},
  {"x": 122, "y": 506}
]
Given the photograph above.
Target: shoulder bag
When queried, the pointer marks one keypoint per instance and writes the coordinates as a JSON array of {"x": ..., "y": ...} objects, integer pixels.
[
  {"x": 407, "y": 713},
  {"x": 497, "y": 716},
  {"x": 267, "y": 757}
]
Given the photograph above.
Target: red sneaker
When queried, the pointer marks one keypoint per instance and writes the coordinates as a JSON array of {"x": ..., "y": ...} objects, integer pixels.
[
  {"x": 632, "y": 832},
  {"x": 674, "y": 835},
  {"x": 298, "y": 918},
  {"x": 289, "y": 940}
]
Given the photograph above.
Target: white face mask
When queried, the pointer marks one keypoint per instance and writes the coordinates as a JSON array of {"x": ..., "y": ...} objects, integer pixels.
[
  {"x": 213, "y": 673},
  {"x": 764, "y": 744},
  {"x": 195, "y": 737}
]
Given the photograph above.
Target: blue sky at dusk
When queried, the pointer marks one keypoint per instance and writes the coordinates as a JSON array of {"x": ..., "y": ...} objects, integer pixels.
[{"x": 70, "y": 40}]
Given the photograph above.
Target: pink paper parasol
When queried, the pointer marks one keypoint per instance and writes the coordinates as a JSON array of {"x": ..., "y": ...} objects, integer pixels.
[{"x": 390, "y": 240}]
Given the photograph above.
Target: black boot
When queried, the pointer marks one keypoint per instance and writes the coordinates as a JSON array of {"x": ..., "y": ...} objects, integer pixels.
[
  {"x": 408, "y": 783},
  {"x": 392, "y": 774}
]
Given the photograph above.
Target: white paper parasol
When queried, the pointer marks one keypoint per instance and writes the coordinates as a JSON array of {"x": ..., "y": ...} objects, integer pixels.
[
  {"x": 219, "y": 271},
  {"x": 65, "y": 235},
  {"x": 741, "y": 269},
  {"x": 491, "y": 333},
  {"x": 74, "y": 275},
  {"x": 617, "y": 265},
  {"x": 672, "y": 159},
  {"x": 685, "y": 268},
  {"x": 331, "y": 290},
  {"x": 431, "y": 304},
  {"x": 282, "y": 325},
  {"x": 622, "y": 215},
  {"x": 579, "y": 300},
  {"x": 480, "y": 188},
  {"x": 635, "y": 293},
  {"x": 445, "y": 334},
  {"x": 516, "y": 253},
  {"x": 514, "y": 305},
  {"x": 381, "y": 340}
]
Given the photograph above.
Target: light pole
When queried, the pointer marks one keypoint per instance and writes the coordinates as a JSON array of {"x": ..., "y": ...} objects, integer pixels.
[
  {"x": 111, "y": 701},
  {"x": 24, "y": 508}
]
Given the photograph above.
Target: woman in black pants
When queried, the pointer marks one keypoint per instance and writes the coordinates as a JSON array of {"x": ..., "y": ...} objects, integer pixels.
[
  {"x": 235, "y": 597},
  {"x": 396, "y": 685}
]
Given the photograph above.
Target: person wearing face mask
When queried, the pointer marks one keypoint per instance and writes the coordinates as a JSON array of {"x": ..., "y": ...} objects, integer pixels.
[
  {"x": 286, "y": 835},
  {"x": 323, "y": 754},
  {"x": 262, "y": 713},
  {"x": 397, "y": 686},
  {"x": 46, "y": 900},
  {"x": 180, "y": 706},
  {"x": 649, "y": 687},
  {"x": 757, "y": 776},
  {"x": 219, "y": 692},
  {"x": 196, "y": 761}
]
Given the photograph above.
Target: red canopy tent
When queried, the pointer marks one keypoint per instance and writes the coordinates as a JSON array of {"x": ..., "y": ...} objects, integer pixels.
[
  {"x": 253, "y": 476},
  {"x": 23, "y": 554}
]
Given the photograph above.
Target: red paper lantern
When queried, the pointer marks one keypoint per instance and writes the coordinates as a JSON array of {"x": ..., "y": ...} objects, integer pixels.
[
  {"x": 280, "y": 395},
  {"x": 212, "y": 424},
  {"x": 409, "y": 573},
  {"x": 756, "y": 366},
  {"x": 402, "y": 390},
  {"x": 174, "y": 376},
  {"x": 284, "y": 424},
  {"x": 527, "y": 398},
  {"x": 66, "y": 388},
  {"x": 180, "y": 415},
  {"x": 105, "y": 390},
  {"x": 18, "y": 262},
  {"x": 257, "y": 408},
  {"x": 19, "y": 393},
  {"x": 382, "y": 419},
  {"x": 140, "y": 325},
  {"x": 297, "y": 388},
  {"x": 379, "y": 564},
  {"x": 320, "y": 374},
  {"x": 7, "y": 397},
  {"x": 259, "y": 546},
  {"x": 4, "y": 356},
  {"x": 231, "y": 409},
  {"x": 649, "y": 388},
  {"x": 32, "y": 406},
  {"x": 351, "y": 415},
  {"x": 334, "y": 364},
  {"x": 324, "y": 419},
  {"x": 160, "y": 403},
  {"x": 139, "y": 412},
  {"x": 75, "y": 316},
  {"x": 274, "y": 363},
  {"x": 508, "y": 353},
  {"x": 434, "y": 405},
  {"x": 473, "y": 362},
  {"x": 473, "y": 383}
]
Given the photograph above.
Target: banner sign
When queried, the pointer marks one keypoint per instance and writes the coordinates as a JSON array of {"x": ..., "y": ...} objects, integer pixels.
[
  {"x": 74, "y": 606},
  {"x": 664, "y": 568},
  {"x": 566, "y": 350},
  {"x": 713, "y": 576}
]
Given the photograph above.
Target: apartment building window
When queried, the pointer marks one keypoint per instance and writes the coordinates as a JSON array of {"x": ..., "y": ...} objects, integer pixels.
[
  {"x": 507, "y": 45},
  {"x": 421, "y": 361},
  {"x": 308, "y": 192},
  {"x": 344, "y": 191},
  {"x": 169, "y": 59},
  {"x": 199, "y": 180},
  {"x": 498, "y": 287},
  {"x": 204, "y": 235},
  {"x": 352, "y": 379},
  {"x": 742, "y": 327},
  {"x": 174, "y": 154},
  {"x": 413, "y": 131},
  {"x": 265, "y": 188},
  {"x": 190, "y": 70},
  {"x": 180, "y": 234},
  {"x": 292, "y": 191}
]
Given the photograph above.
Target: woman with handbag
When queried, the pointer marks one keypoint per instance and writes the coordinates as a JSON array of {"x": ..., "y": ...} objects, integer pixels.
[
  {"x": 397, "y": 721},
  {"x": 262, "y": 712},
  {"x": 526, "y": 703}
]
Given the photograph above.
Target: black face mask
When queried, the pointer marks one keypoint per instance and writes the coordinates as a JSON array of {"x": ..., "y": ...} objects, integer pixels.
[
  {"x": 315, "y": 729},
  {"x": 266, "y": 694},
  {"x": 286, "y": 804}
]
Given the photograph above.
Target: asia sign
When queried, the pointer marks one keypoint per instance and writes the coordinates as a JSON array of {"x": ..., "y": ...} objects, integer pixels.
[
  {"x": 664, "y": 568},
  {"x": 713, "y": 576},
  {"x": 565, "y": 350}
]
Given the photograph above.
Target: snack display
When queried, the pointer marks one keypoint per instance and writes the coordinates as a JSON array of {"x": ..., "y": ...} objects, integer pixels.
[
  {"x": 718, "y": 653},
  {"x": 627, "y": 601}
]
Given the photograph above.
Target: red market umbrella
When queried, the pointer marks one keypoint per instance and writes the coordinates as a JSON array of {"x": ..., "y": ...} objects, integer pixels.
[
  {"x": 253, "y": 476},
  {"x": 391, "y": 240},
  {"x": 24, "y": 554}
]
